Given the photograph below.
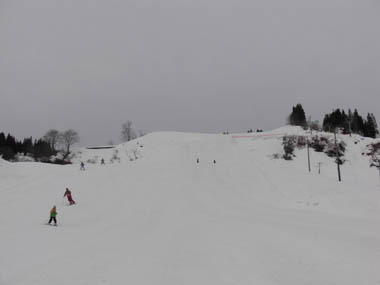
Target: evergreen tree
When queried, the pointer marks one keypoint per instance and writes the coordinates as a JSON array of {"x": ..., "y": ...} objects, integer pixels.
[
  {"x": 297, "y": 117},
  {"x": 42, "y": 149},
  {"x": 374, "y": 124},
  {"x": 2, "y": 139},
  {"x": 326, "y": 125},
  {"x": 26, "y": 147},
  {"x": 345, "y": 123},
  {"x": 7, "y": 147},
  {"x": 357, "y": 123},
  {"x": 369, "y": 127},
  {"x": 349, "y": 120}
]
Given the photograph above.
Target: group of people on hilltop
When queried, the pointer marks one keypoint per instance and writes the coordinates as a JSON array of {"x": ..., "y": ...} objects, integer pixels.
[
  {"x": 102, "y": 162},
  {"x": 53, "y": 211}
]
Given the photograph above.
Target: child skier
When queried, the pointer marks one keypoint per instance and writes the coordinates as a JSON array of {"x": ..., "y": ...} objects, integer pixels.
[
  {"x": 82, "y": 166},
  {"x": 69, "y": 197},
  {"x": 53, "y": 214}
]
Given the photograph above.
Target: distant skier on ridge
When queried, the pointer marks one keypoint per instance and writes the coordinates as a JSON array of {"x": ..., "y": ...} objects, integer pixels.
[{"x": 69, "y": 196}]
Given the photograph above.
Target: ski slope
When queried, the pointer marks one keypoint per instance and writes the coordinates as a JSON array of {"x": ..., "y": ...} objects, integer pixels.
[{"x": 164, "y": 219}]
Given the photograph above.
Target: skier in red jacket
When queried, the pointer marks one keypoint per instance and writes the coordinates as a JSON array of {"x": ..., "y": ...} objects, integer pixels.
[{"x": 69, "y": 197}]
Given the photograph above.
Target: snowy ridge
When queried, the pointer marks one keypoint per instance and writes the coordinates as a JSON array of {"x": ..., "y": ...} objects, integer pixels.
[{"x": 164, "y": 219}]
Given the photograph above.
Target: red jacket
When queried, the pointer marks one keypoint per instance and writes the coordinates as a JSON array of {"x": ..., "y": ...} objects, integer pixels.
[{"x": 67, "y": 193}]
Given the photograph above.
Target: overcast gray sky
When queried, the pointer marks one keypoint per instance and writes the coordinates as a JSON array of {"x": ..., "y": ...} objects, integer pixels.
[{"x": 186, "y": 65}]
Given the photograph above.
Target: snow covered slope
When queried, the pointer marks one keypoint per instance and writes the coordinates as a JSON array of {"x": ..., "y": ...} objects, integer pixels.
[{"x": 164, "y": 219}]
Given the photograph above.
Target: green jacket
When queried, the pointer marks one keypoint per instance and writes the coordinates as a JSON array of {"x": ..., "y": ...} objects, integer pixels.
[{"x": 53, "y": 213}]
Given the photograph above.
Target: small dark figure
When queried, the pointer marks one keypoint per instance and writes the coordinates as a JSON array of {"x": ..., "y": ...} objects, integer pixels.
[
  {"x": 102, "y": 162},
  {"x": 197, "y": 160},
  {"x": 69, "y": 197},
  {"x": 53, "y": 214},
  {"x": 214, "y": 161},
  {"x": 82, "y": 166}
]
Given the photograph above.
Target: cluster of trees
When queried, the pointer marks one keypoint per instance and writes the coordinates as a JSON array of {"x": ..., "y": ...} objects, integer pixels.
[
  {"x": 318, "y": 143},
  {"x": 65, "y": 139},
  {"x": 350, "y": 122},
  {"x": 51, "y": 143},
  {"x": 39, "y": 149}
]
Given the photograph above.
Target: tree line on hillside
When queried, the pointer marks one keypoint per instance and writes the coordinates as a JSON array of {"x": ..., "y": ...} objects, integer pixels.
[
  {"x": 350, "y": 122},
  {"x": 39, "y": 149},
  {"x": 9, "y": 147},
  {"x": 52, "y": 143}
]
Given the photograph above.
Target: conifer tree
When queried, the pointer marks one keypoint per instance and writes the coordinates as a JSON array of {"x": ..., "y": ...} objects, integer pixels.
[
  {"x": 374, "y": 124},
  {"x": 297, "y": 117},
  {"x": 349, "y": 119},
  {"x": 369, "y": 127},
  {"x": 2, "y": 139},
  {"x": 357, "y": 125}
]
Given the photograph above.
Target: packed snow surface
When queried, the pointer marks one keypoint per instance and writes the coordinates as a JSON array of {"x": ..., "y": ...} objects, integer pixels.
[{"x": 164, "y": 219}]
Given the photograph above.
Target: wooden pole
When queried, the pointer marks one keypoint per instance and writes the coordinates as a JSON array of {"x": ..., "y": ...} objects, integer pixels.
[
  {"x": 337, "y": 157},
  {"x": 308, "y": 155}
]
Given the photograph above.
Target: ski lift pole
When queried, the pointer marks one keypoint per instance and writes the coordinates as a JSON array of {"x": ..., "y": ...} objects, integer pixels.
[
  {"x": 308, "y": 155},
  {"x": 337, "y": 157}
]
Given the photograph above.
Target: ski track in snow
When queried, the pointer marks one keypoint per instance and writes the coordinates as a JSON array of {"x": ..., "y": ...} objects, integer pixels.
[{"x": 164, "y": 219}]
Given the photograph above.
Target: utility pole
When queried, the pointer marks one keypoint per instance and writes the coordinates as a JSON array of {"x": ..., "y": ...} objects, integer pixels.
[
  {"x": 308, "y": 148},
  {"x": 308, "y": 155},
  {"x": 337, "y": 157}
]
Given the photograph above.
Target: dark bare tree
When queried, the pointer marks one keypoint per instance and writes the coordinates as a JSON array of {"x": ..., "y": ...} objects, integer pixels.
[
  {"x": 68, "y": 138},
  {"x": 52, "y": 136},
  {"x": 127, "y": 132}
]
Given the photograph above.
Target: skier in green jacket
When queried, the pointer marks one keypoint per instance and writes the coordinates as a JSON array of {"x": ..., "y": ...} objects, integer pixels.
[{"x": 53, "y": 214}]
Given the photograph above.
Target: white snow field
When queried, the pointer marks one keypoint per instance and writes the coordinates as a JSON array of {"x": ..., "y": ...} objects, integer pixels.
[{"x": 164, "y": 219}]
